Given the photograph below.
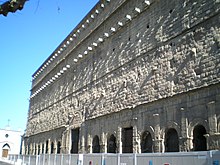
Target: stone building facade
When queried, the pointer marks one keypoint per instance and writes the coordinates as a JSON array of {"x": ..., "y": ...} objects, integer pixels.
[{"x": 134, "y": 76}]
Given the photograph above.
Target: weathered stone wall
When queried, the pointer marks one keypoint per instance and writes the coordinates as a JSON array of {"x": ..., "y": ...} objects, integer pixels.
[
  {"x": 143, "y": 55},
  {"x": 182, "y": 112}
]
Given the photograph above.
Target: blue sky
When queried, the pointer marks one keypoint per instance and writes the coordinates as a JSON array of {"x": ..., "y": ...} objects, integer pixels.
[{"x": 27, "y": 38}]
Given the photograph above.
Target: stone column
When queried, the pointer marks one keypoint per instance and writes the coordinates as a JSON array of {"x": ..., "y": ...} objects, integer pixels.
[
  {"x": 213, "y": 137},
  {"x": 40, "y": 150},
  {"x": 119, "y": 140},
  {"x": 136, "y": 140},
  {"x": 89, "y": 144},
  {"x": 82, "y": 132},
  {"x": 68, "y": 142},
  {"x": 157, "y": 138},
  {"x": 49, "y": 146},
  {"x": 184, "y": 139},
  {"x": 45, "y": 147},
  {"x": 36, "y": 149},
  {"x": 55, "y": 147},
  {"x": 65, "y": 148},
  {"x": 82, "y": 145},
  {"x": 23, "y": 148},
  {"x": 212, "y": 117},
  {"x": 33, "y": 150},
  {"x": 103, "y": 143},
  {"x": 26, "y": 150}
]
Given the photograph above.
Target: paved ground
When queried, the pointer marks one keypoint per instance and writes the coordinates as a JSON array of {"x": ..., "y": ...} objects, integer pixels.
[{"x": 4, "y": 163}]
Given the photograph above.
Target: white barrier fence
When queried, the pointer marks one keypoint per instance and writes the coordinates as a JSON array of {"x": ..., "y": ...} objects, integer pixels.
[{"x": 180, "y": 158}]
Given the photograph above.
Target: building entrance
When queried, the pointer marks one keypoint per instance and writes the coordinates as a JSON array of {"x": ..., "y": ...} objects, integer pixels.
[{"x": 5, "y": 150}]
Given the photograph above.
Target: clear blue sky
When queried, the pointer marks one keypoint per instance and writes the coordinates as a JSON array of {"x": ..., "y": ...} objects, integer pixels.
[{"x": 27, "y": 38}]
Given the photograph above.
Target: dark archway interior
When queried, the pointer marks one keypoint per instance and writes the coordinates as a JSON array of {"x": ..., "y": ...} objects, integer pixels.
[
  {"x": 95, "y": 145},
  {"x": 127, "y": 140},
  {"x": 52, "y": 148},
  {"x": 171, "y": 141},
  {"x": 58, "y": 147},
  {"x": 199, "y": 140},
  {"x": 146, "y": 143},
  {"x": 111, "y": 144},
  {"x": 47, "y": 147},
  {"x": 75, "y": 141}
]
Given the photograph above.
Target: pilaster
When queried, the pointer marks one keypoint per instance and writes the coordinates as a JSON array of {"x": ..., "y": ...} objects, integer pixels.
[
  {"x": 34, "y": 149},
  {"x": 103, "y": 144},
  {"x": 184, "y": 139},
  {"x": 157, "y": 139},
  {"x": 89, "y": 144},
  {"x": 119, "y": 140},
  {"x": 213, "y": 137},
  {"x": 37, "y": 149},
  {"x": 136, "y": 140}
]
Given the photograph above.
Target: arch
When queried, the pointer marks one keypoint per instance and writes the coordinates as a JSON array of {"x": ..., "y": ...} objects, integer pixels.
[
  {"x": 111, "y": 144},
  {"x": 95, "y": 145},
  {"x": 199, "y": 140},
  {"x": 146, "y": 142},
  {"x": 58, "y": 147},
  {"x": 171, "y": 140},
  {"x": 38, "y": 149},
  {"x": 194, "y": 123},
  {"x": 42, "y": 148},
  {"x": 127, "y": 140},
  {"x": 47, "y": 143},
  {"x": 52, "y": 147},
  {"x": 170, "y": 125},
  {"x": 74, "y": 141}
]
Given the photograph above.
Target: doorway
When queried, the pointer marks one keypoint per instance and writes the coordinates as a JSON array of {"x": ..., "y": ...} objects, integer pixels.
[
  {"x": 75, "y": 141},
  {"x": 111, "y": 144},
  {"x": 171, "y": 141},
  {"x": 146, "y": 143},
  {"x": 95, "y": 145},
  {"x": 5, "y": 150},
  {"x": 127, "y": 140},
  {"x": 199, "y": 140}
]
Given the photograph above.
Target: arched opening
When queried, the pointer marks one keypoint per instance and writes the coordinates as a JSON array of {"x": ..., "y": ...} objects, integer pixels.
[
  {"x": 75, "y": 141},
  {"x": 199, "y": 140},
  {"x": 5, "y": 150},
  {"x": 42, "y": 148},
  {"x": 35, "y": 149},
  {"x": 95, "y": 145},
  {"x": 52, "y": 147},
  {"x": 171, "y": 141},
  {"x": 111, "y": 144},
  {"x": 38, "y": 149},
  {"x": 146, "y": 143},
  {"x": 58, "y": 147},
  {"x": 46, "y": 147},
  {"x": 127, "y": 140},
  {"x": 29, "y": 149}
]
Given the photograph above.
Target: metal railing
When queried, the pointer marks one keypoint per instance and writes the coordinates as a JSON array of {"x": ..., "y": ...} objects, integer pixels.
[{"x": 178, "y": 158}]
